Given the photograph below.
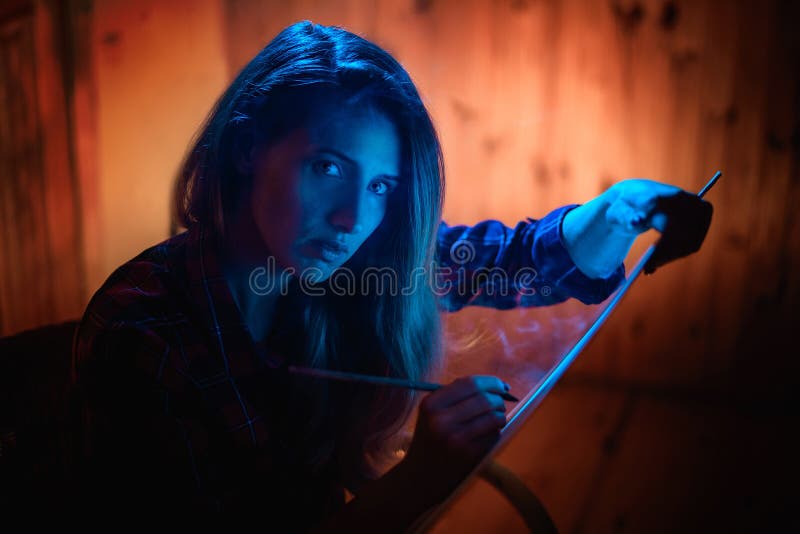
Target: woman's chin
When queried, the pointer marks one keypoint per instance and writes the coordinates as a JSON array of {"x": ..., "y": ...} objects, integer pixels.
[{"x": 315, "y": 270}]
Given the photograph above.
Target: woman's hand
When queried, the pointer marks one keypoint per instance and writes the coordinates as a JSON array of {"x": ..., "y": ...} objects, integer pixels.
[
  {"x": 457, "y": 426},
  {"x": 632, "y": 205},
  {"x": 599, "y": 234}
]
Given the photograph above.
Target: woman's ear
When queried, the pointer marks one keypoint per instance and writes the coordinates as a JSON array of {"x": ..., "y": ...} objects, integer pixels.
[{"x": 244, "y": 150}]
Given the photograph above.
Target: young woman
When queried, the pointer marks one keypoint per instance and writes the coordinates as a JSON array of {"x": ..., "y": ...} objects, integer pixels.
[{"x": 319, "y": 159}]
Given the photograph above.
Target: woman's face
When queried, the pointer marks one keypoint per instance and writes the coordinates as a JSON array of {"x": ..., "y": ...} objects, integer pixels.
[{"x": 322, "y": 190}]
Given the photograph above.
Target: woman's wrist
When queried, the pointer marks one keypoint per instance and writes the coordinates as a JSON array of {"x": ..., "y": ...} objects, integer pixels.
[{"x": 590, "y": 240}]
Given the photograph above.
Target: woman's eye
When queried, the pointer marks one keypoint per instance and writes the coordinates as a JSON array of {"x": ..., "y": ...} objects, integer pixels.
[
  {"x": 380, "y": 188},
  {"x": 328, "y": 168}
]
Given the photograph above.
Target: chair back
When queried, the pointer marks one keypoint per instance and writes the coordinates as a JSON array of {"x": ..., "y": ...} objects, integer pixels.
[{"x": 39, "y": 422}]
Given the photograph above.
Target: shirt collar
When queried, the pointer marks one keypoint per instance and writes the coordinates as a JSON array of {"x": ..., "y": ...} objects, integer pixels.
[{"x": 224, "y": 323}]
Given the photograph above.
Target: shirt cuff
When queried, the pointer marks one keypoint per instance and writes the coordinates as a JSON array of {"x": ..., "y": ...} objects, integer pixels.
[{"x": 558, "y": 269}]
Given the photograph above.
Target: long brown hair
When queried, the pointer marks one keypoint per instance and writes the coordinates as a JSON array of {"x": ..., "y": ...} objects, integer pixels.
[{"x": 394, "y": 333}]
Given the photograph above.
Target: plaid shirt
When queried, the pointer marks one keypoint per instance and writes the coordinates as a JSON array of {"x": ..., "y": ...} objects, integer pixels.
[
  {"x": 492, "y": 265},
  {"x": 181, "y": 404}
]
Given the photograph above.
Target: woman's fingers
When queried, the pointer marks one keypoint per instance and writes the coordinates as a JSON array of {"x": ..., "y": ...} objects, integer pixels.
[
  {"x": 464, "y": 388},
  {"x": 658, "y": 221},
  {"x": 627, "y": 217},
  {"x": 466, "y": 409},
  {"x": 634, "y": 204},
  {"x": 476, "y": 405},
  {"x": 478, "y": 412},
  {"x": 484, "y": 425},
  {"x": 457, "y": 425},
  {"x": 473, "y": 440}
]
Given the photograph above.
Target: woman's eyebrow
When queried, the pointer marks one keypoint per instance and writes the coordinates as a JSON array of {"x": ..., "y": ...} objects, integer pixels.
[{"x": 351, "y": 161}]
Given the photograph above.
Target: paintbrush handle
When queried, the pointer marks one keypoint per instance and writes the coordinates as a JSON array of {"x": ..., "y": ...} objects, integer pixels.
[
  {"x": 710, "y": 184},
  {"x": 378, "y": 380},
  {"x": 356, "y": 377}
]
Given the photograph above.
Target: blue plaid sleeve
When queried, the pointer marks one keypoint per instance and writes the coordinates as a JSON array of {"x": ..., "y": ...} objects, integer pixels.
[{"x": 490, "y": 264}]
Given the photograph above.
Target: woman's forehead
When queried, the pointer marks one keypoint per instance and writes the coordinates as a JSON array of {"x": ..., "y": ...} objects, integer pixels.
[{"x": 364, "y": 134}]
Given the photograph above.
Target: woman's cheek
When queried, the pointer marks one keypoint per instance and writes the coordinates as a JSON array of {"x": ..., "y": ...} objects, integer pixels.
[
  {"x": 276, "y": 215},
  {"x": 377, "y": 213}
]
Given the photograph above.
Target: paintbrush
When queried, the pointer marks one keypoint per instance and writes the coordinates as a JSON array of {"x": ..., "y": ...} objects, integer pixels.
[{"x": 378, "y": 380}]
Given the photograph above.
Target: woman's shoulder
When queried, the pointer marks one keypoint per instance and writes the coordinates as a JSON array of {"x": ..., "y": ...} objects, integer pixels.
[
  {"x": 139, "y": 309},
  {"x": 150, "y": 282}
]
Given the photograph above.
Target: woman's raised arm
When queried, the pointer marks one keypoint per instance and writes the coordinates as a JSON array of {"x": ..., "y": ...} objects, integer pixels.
[{"x": 490, "y": 264}]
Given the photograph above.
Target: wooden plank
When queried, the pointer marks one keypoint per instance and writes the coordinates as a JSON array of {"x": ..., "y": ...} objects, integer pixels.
[
  {"x": 61, "y": 191},
  {"x": 83, "y": 132},
  {"x": 27, "y": 294},
  {"x": 698, "y": 467}
]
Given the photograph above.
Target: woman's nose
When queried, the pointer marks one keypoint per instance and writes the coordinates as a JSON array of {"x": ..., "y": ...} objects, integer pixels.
[{"x": 346, "y": 216}]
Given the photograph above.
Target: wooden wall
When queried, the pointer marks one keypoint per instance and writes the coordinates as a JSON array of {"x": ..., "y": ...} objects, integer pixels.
[
  {"x": 41, "y": 267},
  {"x": 157, "y": 68},
  {"x": 99, "y": 101}
]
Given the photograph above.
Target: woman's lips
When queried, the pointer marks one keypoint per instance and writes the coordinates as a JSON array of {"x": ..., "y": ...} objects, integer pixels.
[{"x": 330, "y": 251}]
